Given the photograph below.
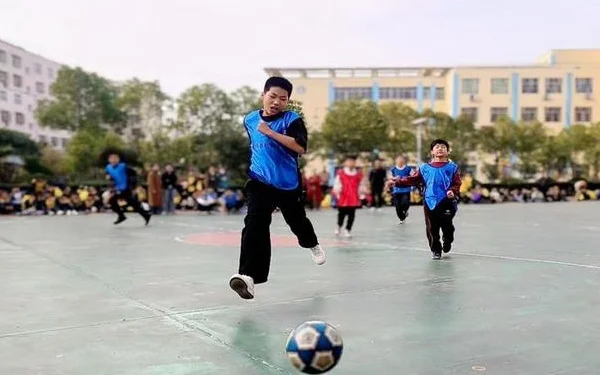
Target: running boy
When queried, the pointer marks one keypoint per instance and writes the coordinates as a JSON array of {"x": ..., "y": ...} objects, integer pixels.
[
  {"x": 118, "y": 172},
  {"x": 401, "y": 193},
  {"x": 441, "y": 182},
  {"x": 277, "y": 139},
  {"x": 347, "y": 189}
]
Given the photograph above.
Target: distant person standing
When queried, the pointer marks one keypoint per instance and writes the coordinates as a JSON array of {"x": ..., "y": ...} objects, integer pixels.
[
  {"x": 154, "y": 189},
  {"x": 377, "y": 178},
  {"x": 169, "y": 183},
  {"x": 122, "y": 176}
]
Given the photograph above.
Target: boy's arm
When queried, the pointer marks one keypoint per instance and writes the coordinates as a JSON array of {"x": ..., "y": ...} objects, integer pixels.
[
  {"x": 456, "y": 182},
  {"x": 414, "y": 179},
  {"x": 296, "y": 137}
]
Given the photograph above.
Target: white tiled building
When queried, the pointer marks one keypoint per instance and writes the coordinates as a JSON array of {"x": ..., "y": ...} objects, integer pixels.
[{"x": 25, "y": 78}]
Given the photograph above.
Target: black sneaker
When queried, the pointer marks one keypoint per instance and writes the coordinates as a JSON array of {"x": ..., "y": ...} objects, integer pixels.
[
  {"x": 120, "y": 219},
  {"x": 147, "y": 217},
  {"x": 447, "y": 247},
  {"x": 436, "y": 255}
]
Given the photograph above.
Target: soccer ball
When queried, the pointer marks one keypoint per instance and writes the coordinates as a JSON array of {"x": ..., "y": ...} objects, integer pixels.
[{"x": 314, "y": 347}]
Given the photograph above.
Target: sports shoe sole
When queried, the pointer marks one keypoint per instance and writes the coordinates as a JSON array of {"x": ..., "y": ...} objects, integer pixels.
[{"x": 240, "y": 287}]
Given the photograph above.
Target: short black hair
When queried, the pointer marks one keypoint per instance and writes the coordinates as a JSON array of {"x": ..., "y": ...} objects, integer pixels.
[
  {"x": 279, "y": 82},
  {"x": 439, "y": 141},
  {"x": 351, "y": 157}
]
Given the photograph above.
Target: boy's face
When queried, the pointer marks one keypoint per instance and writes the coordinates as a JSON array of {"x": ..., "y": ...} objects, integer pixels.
[
  {"x": 350, "y": 163},
  {"x": 400, "y": 161},
  {"x": 440, "y": 151},
  {"x": 113, "y": 159},
  {"x": 274, "y": 100}
]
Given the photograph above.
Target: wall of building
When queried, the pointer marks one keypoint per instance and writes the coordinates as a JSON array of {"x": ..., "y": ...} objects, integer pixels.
[{"x": 26, "y": 78}]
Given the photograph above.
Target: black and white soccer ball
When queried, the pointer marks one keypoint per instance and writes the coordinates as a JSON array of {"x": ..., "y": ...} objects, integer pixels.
[{"x": 314, "y": 347}]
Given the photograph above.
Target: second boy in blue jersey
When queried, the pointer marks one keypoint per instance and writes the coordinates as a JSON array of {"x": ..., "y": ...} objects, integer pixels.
[
  {"x": 401, "y": 194},
  {"x": 277, "y": 139},
  {"x": 441, "y": 181}
]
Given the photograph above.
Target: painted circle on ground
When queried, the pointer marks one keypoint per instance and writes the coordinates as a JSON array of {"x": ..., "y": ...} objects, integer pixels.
[
  {"x": 233, "y": 239},
  {"x": 479, "y": 368}
]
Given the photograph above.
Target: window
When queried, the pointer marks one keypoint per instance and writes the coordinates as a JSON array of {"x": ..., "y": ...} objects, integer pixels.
[
  {"x": 439, "y": 93},
  {"x": 499, "y": 85},
  {"x": 17, "y": 80},
  {"x": 63, "y": 142},
  {"x": 3, "y": 79},
  {"x": 3, "y": 95},
  {"x": 553, "y": 85},
  {"x": 43, "y": 139},
  {"x": 19, "y": 118},
  {"x": 17, "y": 98},
  {"x": 16, "y": 61},
  {"x": 54, "y": 141},
  {"x": 583, "y": 114},
  {"x": 497, "y": 112},
  {"x": 470, "y": 86},
  {"x": 529, "y": 86},
  {"x": 27, "y": 70},
  {"x": 470, "y": 113},
  {"x": 2, "y": 56},
  {"x": 39, "y": 87},
  {"x": 398, "y": 93},
  {"x": 29, "y": 108},
  {"x": 5, "y": 117},
  {"x": 51, "y": 75},
  {"x": 529, "y": 114},
  {"x": 30, "y": 126},
  {"x": 38, "y": 68},
  {"x": 552, "y": 114},
  {"x": 583, "y": 85},
  {"x": 353, "y": 93}
]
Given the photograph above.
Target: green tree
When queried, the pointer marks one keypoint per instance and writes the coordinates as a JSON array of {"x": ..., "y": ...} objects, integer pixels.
[
  {"x": 460, "y": 133},
  {"x": 205, "y": 109},
  {"x": 141, "y": 102},
  {"x": 554, "y": 153},
  {"x": 81, "y": 100},
  {"x": 17, "y": 143},
  {"x": 353, "y": 127},
  {"x": 401, "y": 131},
  {"x": 85, "y": 147},
  {"x": 530, "y": 138}
]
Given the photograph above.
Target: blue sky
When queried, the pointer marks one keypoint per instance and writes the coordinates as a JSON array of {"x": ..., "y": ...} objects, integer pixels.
[{"x": 185, "y": 42}]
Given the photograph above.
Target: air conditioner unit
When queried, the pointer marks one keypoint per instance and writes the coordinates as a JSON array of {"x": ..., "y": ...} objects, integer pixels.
[
  {"x": 588, "y": 96},
  {"x": 472, "y": 97},
  {"x": 546, "y": 96}
]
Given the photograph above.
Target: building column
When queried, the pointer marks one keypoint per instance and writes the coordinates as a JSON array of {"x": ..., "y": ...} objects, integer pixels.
[
  {"x": 331, "y": 93},
  {"x": 375, "y": 92},
  {"x": 568, "y": 99},
  {"x": 514, "y": 97},
  {"x": 454, "y": 104},
  {"x": 420, "y": 97},
  {"x": 432, "y": 96}
]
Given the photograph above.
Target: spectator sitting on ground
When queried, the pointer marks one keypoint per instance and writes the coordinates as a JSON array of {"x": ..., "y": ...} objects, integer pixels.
[
  {"x": 231, "y": 202},
  {"x": 207, "y": 200}
]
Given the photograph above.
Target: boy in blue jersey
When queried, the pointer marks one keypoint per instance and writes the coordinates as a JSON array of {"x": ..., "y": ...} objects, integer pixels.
[
  {"x": 441, "y": 181},
  {"x": 118, "y": 172},
  {"x": 401, "y": 194},
  {"x": 277, "y": 139}
]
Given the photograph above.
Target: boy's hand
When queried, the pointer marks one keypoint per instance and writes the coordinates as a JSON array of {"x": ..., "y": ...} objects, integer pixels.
[
  {"x": 390, "y": 183},
  {"x": 450, "y": 194},
  {"x": 264, "y": 128}
]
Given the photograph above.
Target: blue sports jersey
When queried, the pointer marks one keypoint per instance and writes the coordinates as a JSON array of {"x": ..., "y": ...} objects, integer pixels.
[
  {"x": 270, "y": 162},
  {"x": 437, "y": 182},
  {"x": 404, "y": 172},
  {"x": 118, "y": 173}
]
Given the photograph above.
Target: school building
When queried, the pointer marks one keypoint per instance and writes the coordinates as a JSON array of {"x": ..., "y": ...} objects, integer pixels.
[{"x": 558, "y": 90}]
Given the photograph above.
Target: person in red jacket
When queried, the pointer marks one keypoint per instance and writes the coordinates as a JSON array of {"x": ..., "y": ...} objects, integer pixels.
[{"x": 347, "y": 189}]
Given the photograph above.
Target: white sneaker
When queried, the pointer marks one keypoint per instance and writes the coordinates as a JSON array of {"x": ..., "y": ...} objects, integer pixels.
[
  {"x": 347, "y": 233},
  {"x": 242, "y": 285},
  {"x": 401, "y": 222},
  {"x": 337, "y": 232},
  {"x": 318, "y": 255}
]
